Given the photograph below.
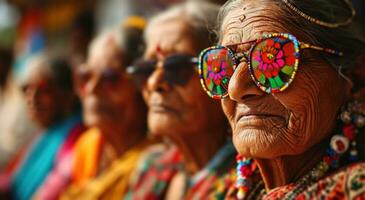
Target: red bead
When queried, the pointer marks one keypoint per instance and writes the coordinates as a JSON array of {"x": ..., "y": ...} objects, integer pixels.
[
  {"x": 349, "y": 131},
  {"x": 327, "y": 159},
  {"x": 340, "y": 145},
  {"x": 246, "y": 171},
  {"x": 244, "y": 188}
]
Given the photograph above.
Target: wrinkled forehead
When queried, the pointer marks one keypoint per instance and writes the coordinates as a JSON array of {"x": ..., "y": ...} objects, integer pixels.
[
  {"x": 250, "y": 21},
  {"x": 168, "y": 37},
  {"x": 105, "y": 54}
]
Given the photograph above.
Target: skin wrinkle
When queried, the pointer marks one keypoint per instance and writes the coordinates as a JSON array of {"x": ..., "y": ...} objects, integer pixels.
[
  {"x": 251, "y": 14},
  {"x": 253, "y": 21},
  {"x": 310, "y": 104},
  {"x": 307, "y": 107},
  {"x": 192, "y": 105}
]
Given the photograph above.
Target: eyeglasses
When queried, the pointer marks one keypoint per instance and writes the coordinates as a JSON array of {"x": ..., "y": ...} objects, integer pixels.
[
  {"x": 42, "y": 87},
  {"x": 178, "y": 69},
  {"x": 108, "y": 78},
  {"x": 272, "y": 62}
]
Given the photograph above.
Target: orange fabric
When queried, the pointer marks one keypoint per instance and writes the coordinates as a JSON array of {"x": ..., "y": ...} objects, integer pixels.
[{"x": 87, "y": 154}]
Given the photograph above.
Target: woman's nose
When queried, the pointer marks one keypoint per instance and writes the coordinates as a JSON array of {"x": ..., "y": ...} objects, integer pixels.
[
  {"x": 241, "y": 85},
  {"x": 93, "y": 85},
  {"x": 157, "y": 81},
  {"x": 31, "y": 95}
]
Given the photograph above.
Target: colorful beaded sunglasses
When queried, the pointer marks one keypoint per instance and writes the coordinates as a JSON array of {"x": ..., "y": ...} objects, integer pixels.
[{"x": 272, "y": 61}]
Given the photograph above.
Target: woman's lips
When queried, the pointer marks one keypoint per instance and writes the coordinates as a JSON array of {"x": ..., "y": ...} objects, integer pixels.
[
  {"x": 162, "y": 108},
  {"x": 259, "y": 119}
]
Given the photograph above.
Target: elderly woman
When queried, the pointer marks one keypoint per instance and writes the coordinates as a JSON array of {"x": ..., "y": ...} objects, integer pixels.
[
  {"x": 283, "y": 73},
  {"x": 106, "y": 154},
  {"x": 12, "y": 136},
  {"x": 51, "y": 103},
  {"x": 198, "y": 152}
]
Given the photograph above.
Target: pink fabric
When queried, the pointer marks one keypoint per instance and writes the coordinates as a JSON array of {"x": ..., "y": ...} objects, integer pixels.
[{"x": 60, "y": 177}]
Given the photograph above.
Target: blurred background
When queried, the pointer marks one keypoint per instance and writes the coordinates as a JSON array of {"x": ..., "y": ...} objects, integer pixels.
[
  {"x": 64, "y": 27},
  {"x": 57, "y": 27},
  {"x": 29, "y": 26}
]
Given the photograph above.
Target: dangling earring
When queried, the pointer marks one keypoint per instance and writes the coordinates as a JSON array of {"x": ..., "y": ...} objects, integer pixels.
[
  {"x": 245, "y": 169},
  {"x": 353, "y": 118}
]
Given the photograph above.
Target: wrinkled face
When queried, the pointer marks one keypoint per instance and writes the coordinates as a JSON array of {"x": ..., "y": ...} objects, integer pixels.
[
  {"x": 286, "y": 123},
  {"x": 176, "y": 110},
  {"x": 44, "y": 99},
  {"x": 104, "y": 90}
]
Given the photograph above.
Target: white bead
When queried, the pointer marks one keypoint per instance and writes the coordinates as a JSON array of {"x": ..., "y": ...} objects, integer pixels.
[
  {"x": 240, "y": 194},
  {"x": 335, "y": 140}
]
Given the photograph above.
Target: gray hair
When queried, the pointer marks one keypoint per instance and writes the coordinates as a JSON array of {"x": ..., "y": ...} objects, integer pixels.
[
  {"x": 348, "y": 39},
  {"x": 128, "y": 40},
  {"x": 200, "y": 16},
  {"x": 57, "y": 69}
]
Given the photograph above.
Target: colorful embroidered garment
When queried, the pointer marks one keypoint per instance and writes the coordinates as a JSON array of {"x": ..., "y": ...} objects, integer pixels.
[
  {"x": 154, "y": 173},
  {"x": 212, "y": 182},
  {"x": 40, "y": 159},
  {"x": 160, "y": 168},
  {"x": 113, "y": 182},
  {"x": 347, "y": 183}
]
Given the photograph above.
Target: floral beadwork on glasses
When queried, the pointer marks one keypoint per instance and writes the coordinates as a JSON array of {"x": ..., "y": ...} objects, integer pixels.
[{"x": 272, "y": 61}]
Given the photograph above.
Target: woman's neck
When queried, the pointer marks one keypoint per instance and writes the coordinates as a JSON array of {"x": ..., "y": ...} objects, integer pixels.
[
  {"x": 198, "y": 149},
  {"x": 122, "y": 139},
  {"x": 287, "y": 169},
  {"x": 123, "y": 136}
]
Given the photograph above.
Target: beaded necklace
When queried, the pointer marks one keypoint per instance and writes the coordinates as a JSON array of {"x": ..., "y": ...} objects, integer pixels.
[{"x": 352, "y": 119}]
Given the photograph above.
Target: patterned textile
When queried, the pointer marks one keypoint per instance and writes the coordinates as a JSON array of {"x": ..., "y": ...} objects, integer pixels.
[
  {"x": 154, "y": 173},
  {"x": 212, "y": 180},
  {"x": 112, "y": 183},
  {"x": 346, "y": 183},
  {"x": 160, "y": 168}
]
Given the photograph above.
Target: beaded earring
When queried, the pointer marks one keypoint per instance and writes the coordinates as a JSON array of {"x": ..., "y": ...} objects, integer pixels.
[
  {"x": 245, "y": 169},
  {"x": 353, "y": 118}
]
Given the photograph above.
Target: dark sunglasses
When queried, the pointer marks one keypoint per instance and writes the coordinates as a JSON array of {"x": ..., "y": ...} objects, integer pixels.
[
  {"x": 43, "y": 87},
  {"x": 272, "y": 61},
  {"x": 178, "y": 69},
  {"x": 108, "y": 78}
]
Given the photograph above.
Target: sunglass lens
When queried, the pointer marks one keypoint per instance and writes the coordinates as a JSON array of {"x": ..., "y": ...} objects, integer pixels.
[
  {"x": 215, "y": 71},
  {"x": 141, "y": 70},
  {"x": 274, "y": 63},
  {"x": 179, "y": 69},
  {"x": 110, "y": 77}
]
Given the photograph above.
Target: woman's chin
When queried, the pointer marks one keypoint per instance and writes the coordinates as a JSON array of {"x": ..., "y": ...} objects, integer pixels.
[{"x": 257, "y": 143}]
